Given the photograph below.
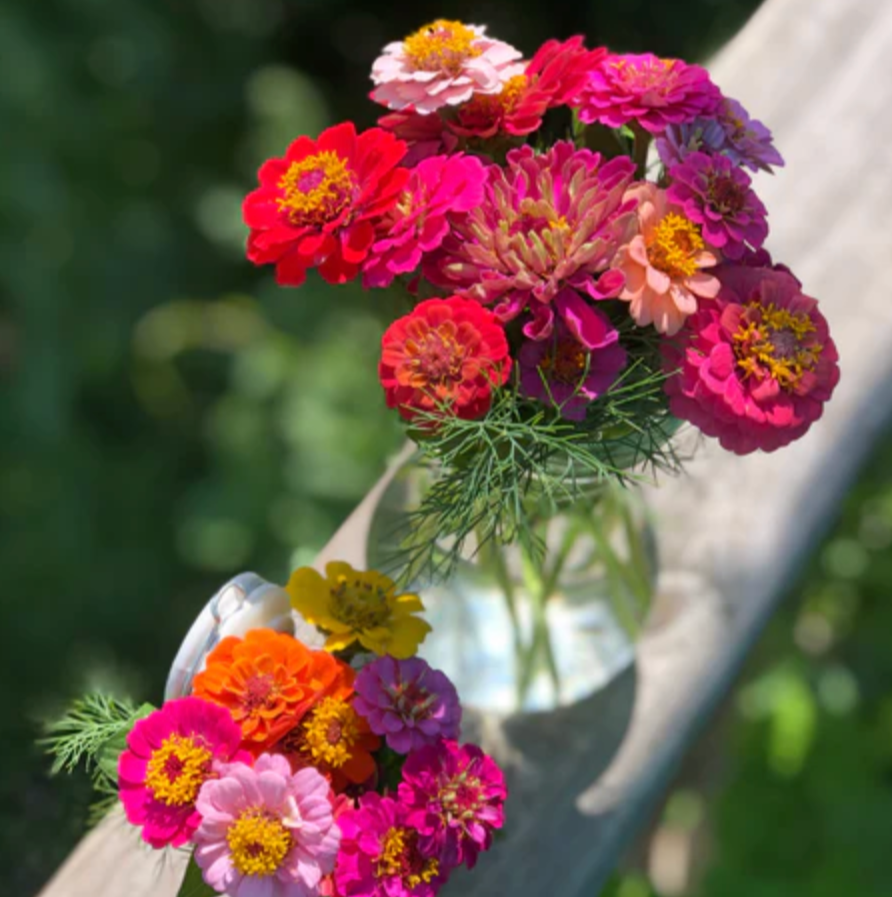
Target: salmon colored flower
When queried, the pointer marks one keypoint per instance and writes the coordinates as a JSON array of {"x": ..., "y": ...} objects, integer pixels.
[
  {"x": 333, "y": 738},
  {"x": 755, "y": 367},
  {"x": 442, "y": 64},
  {"x": 446, "y": 356},
  {"x": 357, "y": 606},
  {"x": 663, "y": 263},
  {"x": 268, "y": 680},
  {"x": 169, "y": 755},
  {"x": 320, "y": 206}
]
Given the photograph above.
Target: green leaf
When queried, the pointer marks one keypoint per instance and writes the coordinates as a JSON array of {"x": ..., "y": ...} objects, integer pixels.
[{"x": 193, "y": 884}]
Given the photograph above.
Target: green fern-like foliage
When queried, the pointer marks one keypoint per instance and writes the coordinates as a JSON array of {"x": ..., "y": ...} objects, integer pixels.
[{"x": 92, "y": 733}]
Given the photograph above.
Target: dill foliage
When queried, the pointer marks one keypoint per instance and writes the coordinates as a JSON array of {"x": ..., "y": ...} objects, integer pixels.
[
  {"x": 92, "y": 733},
  {"x": 497, "y": 478}
]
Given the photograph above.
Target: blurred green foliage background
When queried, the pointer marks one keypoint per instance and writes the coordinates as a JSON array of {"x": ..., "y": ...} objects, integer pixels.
[{"x": 169, "y": 417}]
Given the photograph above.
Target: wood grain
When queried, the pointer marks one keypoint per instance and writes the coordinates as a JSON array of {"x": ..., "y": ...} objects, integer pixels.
[{"x": 732, "y": 531}]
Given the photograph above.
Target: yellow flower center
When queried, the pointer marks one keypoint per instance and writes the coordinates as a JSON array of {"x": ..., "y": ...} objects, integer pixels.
[
  {"x": 645, "y": 74},
  {"x": 674, "y": 245},
  {"x": 778, "y": 344},
  {"x": 329, "y": 732},
  {"x": 177, "y": 770},
  {"x": 435, "y": 356},
  {"x": 400, "y": 858},
  {"x": 486, "y": 108},
  {"x": 360, "y": 603},
  {"x": 258, "y": 843},
  {"x": 442, "y": 46},
  {"x": 316, "y": 189}
]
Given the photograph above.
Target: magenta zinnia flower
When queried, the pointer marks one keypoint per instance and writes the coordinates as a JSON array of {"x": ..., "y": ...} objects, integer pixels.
[
  {"x": 266, "y": 832},
  {"x": 382, "y": 855},
  {"x": 717, "y": 194},
  {"x": 653, "y": 92},
  {"x": 420, "y": 220},
  {"x": 755, "y": 366},
  {"x": 407, "y": 702},
  {"x": 169, "y": 755},
  {"x": 455, "y": 797},
  {"x": 442, "y": 64},
  {"x": 561, "y": 371},
  {"x": 546, "y": 221}
]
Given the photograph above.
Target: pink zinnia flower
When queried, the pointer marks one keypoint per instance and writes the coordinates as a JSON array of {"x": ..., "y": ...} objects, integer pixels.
[
  {"x": 407, "y": 702},
  {"x": 647, "y": 90},
  {"x": 266, "y": 832},
  {"x": 717, "y": 194},
  {"x": 561, "y": 371},
  {"x": 547, "y": 221},
  {"x": 170, "y": 754},
  {"x": 320, "y": 205},
  {"x": 382, "y": 854},
  {"x": 756, "y": 365},
  {"x": 455, "y": 797},
  {"x": 437, "y": 187},
  {"x": 663, "y": 264},
  {"x": 442, "y": 64}
]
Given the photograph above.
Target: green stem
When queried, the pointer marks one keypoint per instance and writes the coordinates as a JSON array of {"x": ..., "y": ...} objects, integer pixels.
[{"x": 639, "y": 152}]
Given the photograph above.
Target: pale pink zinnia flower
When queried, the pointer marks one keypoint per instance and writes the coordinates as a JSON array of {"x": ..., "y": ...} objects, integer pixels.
[
  {"x": 265, "y": 831},
  {"x": 664, "y": 263},
  {"x": 442, "y": 64}
]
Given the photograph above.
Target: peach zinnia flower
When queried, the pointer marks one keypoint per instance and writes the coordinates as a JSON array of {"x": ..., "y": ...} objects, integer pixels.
[
  {"x": 268, "y": 681},
  {"x": 663, "y": 264}
]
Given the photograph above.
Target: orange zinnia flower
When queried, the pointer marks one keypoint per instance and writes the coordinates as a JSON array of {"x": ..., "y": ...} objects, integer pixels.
[
  {"x": 268, "y": 681},
  {"x": 333, "y": 738}
]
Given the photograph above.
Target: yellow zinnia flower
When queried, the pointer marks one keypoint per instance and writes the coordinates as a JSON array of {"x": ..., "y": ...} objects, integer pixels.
[{"x": 352, "y": 605}]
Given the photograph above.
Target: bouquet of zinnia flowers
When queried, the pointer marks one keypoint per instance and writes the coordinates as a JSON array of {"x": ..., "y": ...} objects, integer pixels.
[
  {"x": 293, "y": 772},
  {"x": 569, "y": 297}
]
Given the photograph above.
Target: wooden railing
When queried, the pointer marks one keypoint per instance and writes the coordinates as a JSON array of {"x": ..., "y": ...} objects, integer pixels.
[{"x": 732, "y": 531}]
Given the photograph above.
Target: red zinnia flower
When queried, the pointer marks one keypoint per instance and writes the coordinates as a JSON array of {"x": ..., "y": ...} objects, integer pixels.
[
  {"x": 448, "y": 352},
  {"x": 320, "y": 205}
]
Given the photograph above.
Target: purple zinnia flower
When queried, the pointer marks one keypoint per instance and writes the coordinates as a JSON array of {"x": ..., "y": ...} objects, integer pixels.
[
  {"x": 455, "y": 798},
  {"x": 749, "y": 142},
  {"x": 561, "y": 371},
  {"x": 407, "y": 702},
  {"x": 717, "y": 194},
  {"x": 382, "y": 854},
  {"x": 547, "y": 221},
  {"x": 704, "y": 135}
]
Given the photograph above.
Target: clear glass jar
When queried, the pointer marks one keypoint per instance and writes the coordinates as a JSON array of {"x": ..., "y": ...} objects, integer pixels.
[{"x": 521, "y": 631}]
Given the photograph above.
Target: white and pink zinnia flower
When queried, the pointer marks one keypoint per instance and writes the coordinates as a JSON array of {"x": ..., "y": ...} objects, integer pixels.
[
  {"x": 265, "y": 831},
  {"x": 442, "y": 64}
]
